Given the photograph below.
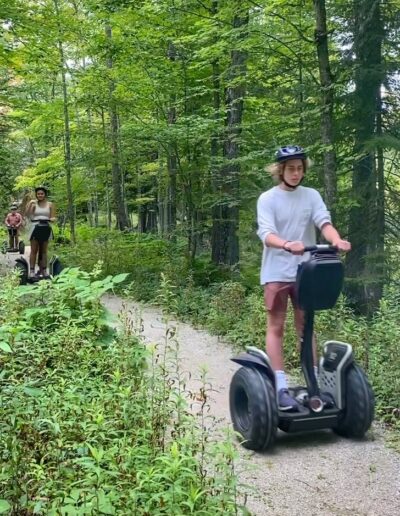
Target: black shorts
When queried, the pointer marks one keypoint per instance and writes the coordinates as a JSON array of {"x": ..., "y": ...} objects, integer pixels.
[{"x": 41, "y": 233}]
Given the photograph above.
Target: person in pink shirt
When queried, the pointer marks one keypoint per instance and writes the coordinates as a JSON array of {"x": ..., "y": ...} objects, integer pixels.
[{"x": 13, "y": 222}]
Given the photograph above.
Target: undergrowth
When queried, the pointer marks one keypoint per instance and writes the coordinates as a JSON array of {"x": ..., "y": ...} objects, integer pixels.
[{"x": 92, "y": 421}]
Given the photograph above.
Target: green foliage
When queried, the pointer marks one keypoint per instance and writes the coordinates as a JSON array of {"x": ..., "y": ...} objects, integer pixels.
[
  {"x": 143, "y": 257},
  {"x": 227, "y": 307},
  {"x": 93, "y": 421}
]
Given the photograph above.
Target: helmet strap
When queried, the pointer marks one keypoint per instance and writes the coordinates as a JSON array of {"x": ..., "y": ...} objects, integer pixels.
[
  {"x": 288, "y": 185},
  {"x": 291, "y": 186}
]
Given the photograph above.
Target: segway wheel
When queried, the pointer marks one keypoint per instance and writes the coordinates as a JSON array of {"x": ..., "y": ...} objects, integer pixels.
[
  {"x": 253, "y": 407},
  {"x": 23, "y": 273},
  {"x": 21, "y": 247},
  {"x": 55, "y": 266},
  {"x": 359, "y": 405}
]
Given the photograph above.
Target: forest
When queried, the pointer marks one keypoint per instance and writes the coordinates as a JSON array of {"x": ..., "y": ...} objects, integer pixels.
[{"x": 151, "y": 122}]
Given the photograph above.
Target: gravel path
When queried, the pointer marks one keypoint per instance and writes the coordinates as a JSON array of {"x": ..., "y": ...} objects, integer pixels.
[{"x": 314, "y": 474}]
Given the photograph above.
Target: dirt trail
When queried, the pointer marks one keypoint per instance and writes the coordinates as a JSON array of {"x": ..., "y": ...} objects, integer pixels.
[{"x": 313, "y": 474}]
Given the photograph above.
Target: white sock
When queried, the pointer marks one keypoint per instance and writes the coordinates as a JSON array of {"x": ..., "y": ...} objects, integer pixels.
[{"x": 281, "y": 382}]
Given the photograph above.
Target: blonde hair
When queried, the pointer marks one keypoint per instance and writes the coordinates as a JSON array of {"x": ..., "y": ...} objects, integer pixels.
[{"x": 276, "y": 169}]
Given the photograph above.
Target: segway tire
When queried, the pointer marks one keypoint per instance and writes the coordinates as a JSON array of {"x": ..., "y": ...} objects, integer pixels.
[
  {"x": 23, "y": 273},
  {"x": 21, "y": 247},
  {"x": 359, "y": 405},
  {"x": 253, "y": 408},
  {"x": 55, "y": 266}
]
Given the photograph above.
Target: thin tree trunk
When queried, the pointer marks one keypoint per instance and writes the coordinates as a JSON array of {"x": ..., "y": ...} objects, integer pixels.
[
  {"x": 327, "y": 101},
  {"x": 172, "y": 158},
  {"x": 93, "y": 187},
  {"x": 122, "y": 221},
  {"x": 67, "y": 132},
  {"x": 90, "y": 212},
  {"x": 161, "y": 197},
  {"x": 107, "y": 185},
  {"x": 225, "y": 240}
]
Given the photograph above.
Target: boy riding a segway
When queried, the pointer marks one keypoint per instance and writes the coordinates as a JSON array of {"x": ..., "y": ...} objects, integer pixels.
[
  {"x": 13, "y": 221},
  {"x": 293, "y": 265},
  {"x": 287, "y": 216}
]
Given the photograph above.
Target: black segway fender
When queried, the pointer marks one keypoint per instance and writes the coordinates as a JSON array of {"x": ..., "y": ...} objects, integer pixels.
[
  {"x": 55, "y": 266},
  {"x": 247, "y": 359}
]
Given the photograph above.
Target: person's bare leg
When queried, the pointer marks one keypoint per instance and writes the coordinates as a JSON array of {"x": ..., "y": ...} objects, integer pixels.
[
  {"x": 274, "y": 339},
  {"x": 33, "y": 255},
  {"x": 275, "y": 330},
  {"x": 43, "y": 255}
]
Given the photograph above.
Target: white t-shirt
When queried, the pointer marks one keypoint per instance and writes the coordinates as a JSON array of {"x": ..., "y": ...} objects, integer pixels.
[{"x": 291, "y": 215}]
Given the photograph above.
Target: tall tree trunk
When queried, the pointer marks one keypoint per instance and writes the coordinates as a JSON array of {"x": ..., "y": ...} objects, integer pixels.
[
  {"x": 215, "y": 150},
  {"x": 67, "y": 131},
  {"x": 327, "y": 101},
  {"x": 225, "y": 240},
  {"x": 365, "y": 285},
  {"x": 122, "y": 220},
  {"x": 90, "y": 212},
  {"x": 107, "y": 178},
  {"x": 171, "y": 158},
  {"x": 380, "y": 268},
  {"x": 93, "y": 201}
]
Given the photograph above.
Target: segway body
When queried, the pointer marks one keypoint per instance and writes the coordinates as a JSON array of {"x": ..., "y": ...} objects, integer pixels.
[
  {"x": 15, "y": 248},
  {"x": 343, "y": 400},
  {"x": 22, "y": 266}
]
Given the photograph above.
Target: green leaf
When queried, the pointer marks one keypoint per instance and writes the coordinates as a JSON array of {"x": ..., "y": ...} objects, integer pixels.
[
  {"x": 5, "y": 347},
  {"x": 4, "y": 506},
  {"x": 119, "y": 278},
  {"x": 33, "y": 391}
]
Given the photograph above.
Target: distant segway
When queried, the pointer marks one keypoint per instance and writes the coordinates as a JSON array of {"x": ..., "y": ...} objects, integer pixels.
[
  {"x": 16, "y": 247},
  {"x": 22, "y": 265},
  {"x": 343, "y": 400}
]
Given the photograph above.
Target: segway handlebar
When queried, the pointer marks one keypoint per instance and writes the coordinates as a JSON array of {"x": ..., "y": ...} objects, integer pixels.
[
  {"x": 324, "y": 248},
  {"x": 321, "y": 247}
]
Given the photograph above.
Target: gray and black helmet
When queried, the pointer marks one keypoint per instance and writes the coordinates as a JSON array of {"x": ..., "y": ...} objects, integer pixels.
[{"x": 290, "y": 152}]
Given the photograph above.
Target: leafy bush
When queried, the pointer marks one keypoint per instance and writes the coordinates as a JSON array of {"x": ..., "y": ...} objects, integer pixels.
[
  {"x": 92, "y": 421},
  {"x": 143, "y": 257},
  {"x": 227, "y": 307}
]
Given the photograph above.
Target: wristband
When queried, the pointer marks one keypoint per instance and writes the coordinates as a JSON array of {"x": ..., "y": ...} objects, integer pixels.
[{"x": 284, "y": 243}]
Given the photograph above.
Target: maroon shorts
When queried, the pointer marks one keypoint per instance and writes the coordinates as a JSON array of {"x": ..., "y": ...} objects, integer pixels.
[{"x": 276, "y": 296}]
